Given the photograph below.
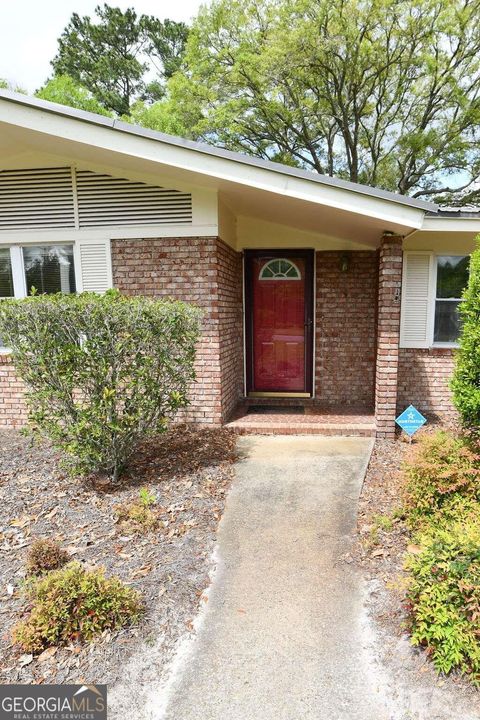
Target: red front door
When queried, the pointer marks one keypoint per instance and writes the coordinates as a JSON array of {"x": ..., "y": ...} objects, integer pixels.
[{"x": 280, "y": 298}]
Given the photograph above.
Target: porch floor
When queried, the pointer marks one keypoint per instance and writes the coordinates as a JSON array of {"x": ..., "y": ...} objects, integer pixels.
[{"x": 308, "y": 420}]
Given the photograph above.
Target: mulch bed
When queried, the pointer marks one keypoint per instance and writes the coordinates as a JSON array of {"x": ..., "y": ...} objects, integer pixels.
[
  {"x": 188, "y": 470},
  {"x": 381, "y": 496}
]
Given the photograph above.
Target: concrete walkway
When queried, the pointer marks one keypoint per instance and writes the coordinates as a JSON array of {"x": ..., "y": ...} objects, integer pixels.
[{"x": 282, "y": 636}]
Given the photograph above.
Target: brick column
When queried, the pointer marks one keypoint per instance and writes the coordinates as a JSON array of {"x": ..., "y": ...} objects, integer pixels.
[{"x": 388, "y": 334}]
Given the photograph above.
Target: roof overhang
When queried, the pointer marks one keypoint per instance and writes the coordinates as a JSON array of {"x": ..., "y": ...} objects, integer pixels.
[{"x": 249, "y": 186}]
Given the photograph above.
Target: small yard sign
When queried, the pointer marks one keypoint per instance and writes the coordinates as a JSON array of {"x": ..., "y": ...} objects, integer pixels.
[{"x": 410, "y": 420}]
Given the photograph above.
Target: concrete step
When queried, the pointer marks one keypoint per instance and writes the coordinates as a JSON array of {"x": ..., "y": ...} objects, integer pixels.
[{"x": 302, "y": 425}]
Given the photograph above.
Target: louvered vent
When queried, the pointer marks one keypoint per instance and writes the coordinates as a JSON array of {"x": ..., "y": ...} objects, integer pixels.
[
  {"x": 105, "y": 200},
  {"x": 31, "y": 199},
  {"x": 94, "y": 263},
  {"x": 415, "y": 302}
]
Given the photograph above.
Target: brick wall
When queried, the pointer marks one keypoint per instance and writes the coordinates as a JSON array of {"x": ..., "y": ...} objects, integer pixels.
[
  {"x": 345, "y": 328},
  {"x": 203, "y": 271},
  {"x": 423, "y": 378},
  {"x": 13, "y": 412},
  {"x": 230, "y": 326},
  {"x": 206, "y": 272},
  {"x": 388, "y": 334}
]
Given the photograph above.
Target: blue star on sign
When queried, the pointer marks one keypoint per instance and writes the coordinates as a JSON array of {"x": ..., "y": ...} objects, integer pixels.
[{"x": 411, "y": 420}]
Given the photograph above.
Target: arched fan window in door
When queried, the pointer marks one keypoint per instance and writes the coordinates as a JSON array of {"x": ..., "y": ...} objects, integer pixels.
[{"x": 280, "y": 269}]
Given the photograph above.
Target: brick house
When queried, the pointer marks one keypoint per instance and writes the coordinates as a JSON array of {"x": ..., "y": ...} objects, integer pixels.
[{"x": 326, "y": 298}]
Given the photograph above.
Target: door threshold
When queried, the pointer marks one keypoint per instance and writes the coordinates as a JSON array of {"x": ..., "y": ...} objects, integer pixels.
[{"x": 279, "y": 395}]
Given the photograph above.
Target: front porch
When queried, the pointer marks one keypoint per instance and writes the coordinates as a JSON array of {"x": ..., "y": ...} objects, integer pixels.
[
  {"x": 307, "y": 419},
  {"x": 321, "y": 349}
]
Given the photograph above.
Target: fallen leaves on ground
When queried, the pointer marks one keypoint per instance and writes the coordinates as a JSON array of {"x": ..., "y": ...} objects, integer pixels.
[{"x": 188, "y": 470}]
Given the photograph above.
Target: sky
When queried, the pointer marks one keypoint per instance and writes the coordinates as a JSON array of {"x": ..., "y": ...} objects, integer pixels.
[{"x": 29, "y": 30}]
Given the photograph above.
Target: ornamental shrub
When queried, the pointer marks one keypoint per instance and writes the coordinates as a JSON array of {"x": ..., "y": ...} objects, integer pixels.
[
  {"x": 45, "y": 554},
  {"x": 442, "y": 470},
  {"x": 74, "y": 604},
  {"x": 101, "y": 371},
  {"x": 466, "y": 379},
  {"x": 444, "y": 596}
]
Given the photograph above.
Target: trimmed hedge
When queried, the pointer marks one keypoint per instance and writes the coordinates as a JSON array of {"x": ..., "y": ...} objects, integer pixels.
[{"x": 102, "y": 371}]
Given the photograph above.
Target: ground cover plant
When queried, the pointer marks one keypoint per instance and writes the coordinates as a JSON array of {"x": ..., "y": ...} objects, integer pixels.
[
  {"x": 139, "y": 515},
  {"x": 74, "y": 603},
  {"x": 102, "y": 372},
  {"x": 444, "y": 595}
]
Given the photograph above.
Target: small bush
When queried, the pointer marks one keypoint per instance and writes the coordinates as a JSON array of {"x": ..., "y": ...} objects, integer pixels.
[
  {"x": 146, "y": 497},
  {"x": 441, "y": 469},
  {"x": 466, "y": 377},
  {"x": 44, "y": 555},
  {"x": 101, "y": 371},
  {"x": 138, "y": 515},
  {"x": 444, "y": 596},
  {"x": 74, "y": 604}
]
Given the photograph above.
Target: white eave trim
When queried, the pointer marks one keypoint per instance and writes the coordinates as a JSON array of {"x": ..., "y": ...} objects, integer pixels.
[
  {"x": 36, "y": 236},
  {"x": 437, "y": 223},
  {"x": 84, "y": 132}
]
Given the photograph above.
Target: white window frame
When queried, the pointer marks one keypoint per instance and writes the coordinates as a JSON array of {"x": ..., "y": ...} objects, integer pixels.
[
  {"x": 18, "y": 266},
  {"x": 432, "y": 298},
  {"x": 18, "y": 269}
]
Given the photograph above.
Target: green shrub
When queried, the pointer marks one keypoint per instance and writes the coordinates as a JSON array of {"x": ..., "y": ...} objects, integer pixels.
[
  {"x": 74, "y": 604},
  {"x": 45, "y": 554},
  {"x": 102, "y": 371},
  {"x": 441, "y": 469},
  {"x": 444, "y": 596},
  {"x": 466, "y": 378}
]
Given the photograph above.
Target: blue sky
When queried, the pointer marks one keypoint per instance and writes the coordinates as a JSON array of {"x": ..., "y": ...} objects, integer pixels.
[{"x": 29, "y": 30}]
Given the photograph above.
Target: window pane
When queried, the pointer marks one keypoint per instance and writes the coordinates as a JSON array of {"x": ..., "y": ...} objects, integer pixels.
[
  {"x": 452, "y": 276},
  {"x": 6, "y": 280},
  {"x": 447, "y": 321},
  {"x": 49, "y": 269}
]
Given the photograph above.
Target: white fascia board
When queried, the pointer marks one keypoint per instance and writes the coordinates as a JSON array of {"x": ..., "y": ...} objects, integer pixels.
[
  {"x": 38, "y": 236},
  {"x": 451, "y": 224},
  {"x": 222, "y": 169}
]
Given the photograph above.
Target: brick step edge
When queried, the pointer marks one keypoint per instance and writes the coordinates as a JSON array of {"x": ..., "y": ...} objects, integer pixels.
[{"x": 363, "y": 430}]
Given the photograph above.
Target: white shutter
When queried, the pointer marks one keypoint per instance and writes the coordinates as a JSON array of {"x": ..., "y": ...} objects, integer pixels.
[
  {"x": 38, "y": 198},
  {"x": 94, "y": 271},
  {"x": 417, "y": 299}
]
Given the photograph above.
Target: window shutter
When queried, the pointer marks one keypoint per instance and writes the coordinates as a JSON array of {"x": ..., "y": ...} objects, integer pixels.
[
  {"x": 94, "y": 273},
  {"x": 415, "y": 328}
]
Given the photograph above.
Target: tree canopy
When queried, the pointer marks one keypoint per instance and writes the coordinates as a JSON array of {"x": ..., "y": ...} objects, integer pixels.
[
  {"x": 121, "y": 56},
  {"x": 380, "y": 92},
  {"x": 7, "y": 85},
  {"x": 65, "y": 90}
]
